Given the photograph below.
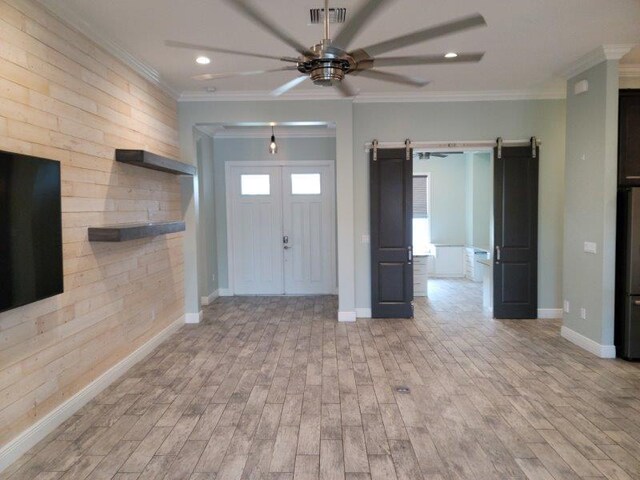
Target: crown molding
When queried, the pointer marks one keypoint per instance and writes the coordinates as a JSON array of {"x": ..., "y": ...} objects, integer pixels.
[
  {"x": 629, "y": 70},
  {"x": 593, "y": 58},
  {"x": 258, "y": 95},
  {"x": 279, "y": 134},
  {"x": 65, "y": 13},
  {"x": 401, "y": 97},
  {"x": 486, "y": 96},
  {"x": 219, "y": 132}
]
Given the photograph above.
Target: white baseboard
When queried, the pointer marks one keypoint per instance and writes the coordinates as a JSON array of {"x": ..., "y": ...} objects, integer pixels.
[
  {"x": 602, "y": 351},
  {"x": 347, "y": 316},
  {"x": 193, "y": 317},
  {"x": 209, "y": 298},
  {"x": 225, "y": 292},
  {"x": 13, "y": 450},
  {"x": 363, "y": 312},
  {"x": 550, "y": 313}
]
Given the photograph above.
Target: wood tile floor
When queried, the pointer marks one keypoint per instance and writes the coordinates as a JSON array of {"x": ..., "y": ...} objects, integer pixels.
[{"x": 274, "y": 388}]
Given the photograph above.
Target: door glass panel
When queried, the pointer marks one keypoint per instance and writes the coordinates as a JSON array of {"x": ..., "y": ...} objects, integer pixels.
[
  {"x": 305, "y": 184},
  {"x": 255, "y": 185}
]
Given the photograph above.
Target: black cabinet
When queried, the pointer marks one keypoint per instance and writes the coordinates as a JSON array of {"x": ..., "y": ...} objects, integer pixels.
[{"x": 629, "y": 139}]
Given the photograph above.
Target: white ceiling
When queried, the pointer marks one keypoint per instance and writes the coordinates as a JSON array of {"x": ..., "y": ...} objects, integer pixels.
[{"x": 528, "y": 42}]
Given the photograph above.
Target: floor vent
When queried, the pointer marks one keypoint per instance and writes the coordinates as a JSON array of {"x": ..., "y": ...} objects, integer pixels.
[
  {"x": 403, "y": 390},
  {"x": 336, "y": 15}
]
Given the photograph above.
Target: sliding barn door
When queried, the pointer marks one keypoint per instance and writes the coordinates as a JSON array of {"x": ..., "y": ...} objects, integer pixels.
[
  {"x": 515, "y": 262},
  {"x": 391, "y": 187}
]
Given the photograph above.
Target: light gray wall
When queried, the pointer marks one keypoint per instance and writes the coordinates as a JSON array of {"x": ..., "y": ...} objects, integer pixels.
[
  {"x": 482, "y": 200},
  {"x": 468, "y": 182},
  {"x": 590, "y": 202},
  {"x": 394, "y": 122},
  {"x": 254, "y": 149},
  {"x": 359, "y": 123},
  {"x": 448, "y": 201},
  {"x": 207, "y": 242}
]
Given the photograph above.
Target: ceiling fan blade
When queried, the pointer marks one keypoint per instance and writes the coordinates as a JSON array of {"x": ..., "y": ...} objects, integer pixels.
[
  {"x": 288, "y": 86},
  {"x": 345, "y": 89},
  {"x": 192, "y": 46},
  {"x": 215, "y": 76},
  {"x": 391, "y": 77},
  {"x": 430, "y": 33},
  {"x": 426, "y": 60},
  {"x": 365, "y": 12},
  {"x": 258, "y": 17}
]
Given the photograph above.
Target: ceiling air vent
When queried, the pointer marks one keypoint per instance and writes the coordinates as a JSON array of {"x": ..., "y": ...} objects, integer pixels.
[{"x": 336, "y": 15}]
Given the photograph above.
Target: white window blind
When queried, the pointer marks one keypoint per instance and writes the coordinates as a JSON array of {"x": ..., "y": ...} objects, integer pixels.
[{"x": 420, "y": 196}]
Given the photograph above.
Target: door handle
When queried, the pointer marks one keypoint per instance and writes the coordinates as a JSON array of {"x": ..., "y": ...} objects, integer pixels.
[
  {"x": 409, "y": 253},
  {"x": 636, "y": 302},
  {"x": 287, "y": 247},
  {"x": 497, "y": 253}
]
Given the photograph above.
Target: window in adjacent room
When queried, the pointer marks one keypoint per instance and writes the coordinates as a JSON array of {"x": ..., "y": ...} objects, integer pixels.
[{"x": 421, "y": 214}]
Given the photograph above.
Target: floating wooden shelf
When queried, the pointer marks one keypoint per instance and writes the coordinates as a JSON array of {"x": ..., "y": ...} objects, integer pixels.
[
  {"x": 133, "y": 231},
  {"x": 144, "y": 159}
]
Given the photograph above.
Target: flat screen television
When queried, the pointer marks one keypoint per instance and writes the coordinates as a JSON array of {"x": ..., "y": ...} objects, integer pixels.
[{"x": 30, "y": 230}]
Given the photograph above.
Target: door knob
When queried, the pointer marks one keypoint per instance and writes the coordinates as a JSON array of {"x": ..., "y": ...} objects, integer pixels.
[{"x": 287, "y": 247}]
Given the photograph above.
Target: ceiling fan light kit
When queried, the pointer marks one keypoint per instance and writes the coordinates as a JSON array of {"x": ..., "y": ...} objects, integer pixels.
[{"x": 329, "y": 62}]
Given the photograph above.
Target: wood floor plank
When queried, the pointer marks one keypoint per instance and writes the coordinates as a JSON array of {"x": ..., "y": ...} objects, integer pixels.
[
  {"x": 274, "y": 388},
  {"x": 331, "y": 460}
]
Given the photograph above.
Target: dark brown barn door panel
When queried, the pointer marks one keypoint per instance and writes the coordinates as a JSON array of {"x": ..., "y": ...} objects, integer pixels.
[
  {"x": 515, "y": 262},
  {"x": 391, "y": 184}
]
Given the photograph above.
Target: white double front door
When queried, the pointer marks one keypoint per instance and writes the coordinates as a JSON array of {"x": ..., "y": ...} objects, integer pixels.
[{"x": 281, "y": 223}]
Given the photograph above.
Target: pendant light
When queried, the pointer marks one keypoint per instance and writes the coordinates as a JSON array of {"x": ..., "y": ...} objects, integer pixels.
[{"x": 273, "y": 146}]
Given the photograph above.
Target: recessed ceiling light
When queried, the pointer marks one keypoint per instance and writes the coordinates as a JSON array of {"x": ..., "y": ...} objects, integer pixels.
[
  {"x": 451, "y": 55},
  {"x": 202, "y": 60}
]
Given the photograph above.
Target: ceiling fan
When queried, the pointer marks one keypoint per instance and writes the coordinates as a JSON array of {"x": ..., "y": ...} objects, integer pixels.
[
  {"x": 428, "y": 155},
  {"x": 329, "y": 62}
]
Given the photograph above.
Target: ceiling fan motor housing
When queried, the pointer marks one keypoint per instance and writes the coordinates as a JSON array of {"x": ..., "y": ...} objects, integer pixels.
[{"x": 328, "y": 68}]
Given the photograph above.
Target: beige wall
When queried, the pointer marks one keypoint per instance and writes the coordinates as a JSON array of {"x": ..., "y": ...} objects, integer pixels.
[{"x": 62, "y": 97}]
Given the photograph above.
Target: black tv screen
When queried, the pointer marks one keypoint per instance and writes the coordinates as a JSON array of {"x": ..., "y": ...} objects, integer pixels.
[{"x": 30, "y": 230}]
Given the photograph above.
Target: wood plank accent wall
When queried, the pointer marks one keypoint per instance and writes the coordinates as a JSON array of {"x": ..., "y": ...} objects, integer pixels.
[{"x": 63, "y": 97}]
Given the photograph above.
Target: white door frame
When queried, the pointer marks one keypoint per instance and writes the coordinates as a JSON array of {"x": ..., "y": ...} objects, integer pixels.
[{"x": 276, "y": 163}]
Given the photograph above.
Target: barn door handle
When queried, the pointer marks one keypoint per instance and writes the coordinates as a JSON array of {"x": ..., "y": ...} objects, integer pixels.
[
  {"x": 498, "y": 253},
  {"x": 409, "y": 253}
]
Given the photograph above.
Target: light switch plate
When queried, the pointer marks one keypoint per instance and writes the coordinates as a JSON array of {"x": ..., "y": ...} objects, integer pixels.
[
  {"x": 590, "y": 247},
  {"x": 583, "y": 313},
  {"x": 567, "y": 306}
]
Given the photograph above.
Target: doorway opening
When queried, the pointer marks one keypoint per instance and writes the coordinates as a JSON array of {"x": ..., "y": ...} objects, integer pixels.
[
  {"x": 452, "y": 228},
  {"x": 267, "y": 216}
]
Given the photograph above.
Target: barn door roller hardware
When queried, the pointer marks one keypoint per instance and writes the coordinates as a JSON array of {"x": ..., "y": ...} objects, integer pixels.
[
  {"x": 407, "y": 144},
  {"x": 374, "y": 144},
  {"x": 499, "y": 144}
]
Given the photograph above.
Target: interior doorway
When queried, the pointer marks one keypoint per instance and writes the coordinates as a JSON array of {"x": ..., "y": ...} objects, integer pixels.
[
  {"x": 281, "y": 227},
  {"x": 452, "y": 223}
]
